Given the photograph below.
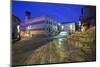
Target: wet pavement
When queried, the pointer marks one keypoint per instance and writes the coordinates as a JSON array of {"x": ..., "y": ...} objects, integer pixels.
[{"x": 57, "y": 49}]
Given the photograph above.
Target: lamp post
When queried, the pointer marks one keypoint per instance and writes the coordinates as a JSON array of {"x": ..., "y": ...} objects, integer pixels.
[
  {"x": 79, "y": 25},
  {"x": 59, "y": 27},
  {"x": 62, "y": 27}
]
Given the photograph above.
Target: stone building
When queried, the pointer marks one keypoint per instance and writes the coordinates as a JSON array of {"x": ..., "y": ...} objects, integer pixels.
[
  {"x": 88, "y": 18},
  {"x": 69, "y": 27},
  {"x": 15, "y": 27},
  {"x": 38, "y": 26}
]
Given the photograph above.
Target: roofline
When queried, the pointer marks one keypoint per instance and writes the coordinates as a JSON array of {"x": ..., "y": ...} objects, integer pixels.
[{"x": 68, "y": 22}]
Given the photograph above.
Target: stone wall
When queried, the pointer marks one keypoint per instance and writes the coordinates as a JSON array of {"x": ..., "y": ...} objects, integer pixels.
[{"x": 80, "y": 46}]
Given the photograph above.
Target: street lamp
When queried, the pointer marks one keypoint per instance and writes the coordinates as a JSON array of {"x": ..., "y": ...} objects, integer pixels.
[
  {"x": 79, "y": 25},
  {"x": 59, "y": 27},
  {"x": 62, "y": 27},
  {"x": 18, "y": 28}
]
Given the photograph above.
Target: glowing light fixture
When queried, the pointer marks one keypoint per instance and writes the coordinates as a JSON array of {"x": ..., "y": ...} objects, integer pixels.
[
  {"x": 62, "y": 27},
  {"x": 79, "y": 23},
  {"x": 18, "y": 28},
  {"x": 71, "y": 27},
  {"x": 59, "y": 24}
]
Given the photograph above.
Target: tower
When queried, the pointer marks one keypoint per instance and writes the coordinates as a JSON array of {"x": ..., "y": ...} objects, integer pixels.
[{"x": 27, "y": 16}]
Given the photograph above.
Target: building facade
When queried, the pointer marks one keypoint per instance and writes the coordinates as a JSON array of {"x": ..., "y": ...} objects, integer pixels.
[
  {"x": 39, "y": 26},
  {"x": 15, "y": 27},
  {"x": 88, "y": 18},
  {"x": 69, "y": 27}
]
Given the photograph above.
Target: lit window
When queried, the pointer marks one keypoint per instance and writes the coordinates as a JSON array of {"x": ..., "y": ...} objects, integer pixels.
[{"x": 71, "y": 26}]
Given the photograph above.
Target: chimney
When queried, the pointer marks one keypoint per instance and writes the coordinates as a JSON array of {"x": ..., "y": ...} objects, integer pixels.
[{"x": 27, "y": 16}]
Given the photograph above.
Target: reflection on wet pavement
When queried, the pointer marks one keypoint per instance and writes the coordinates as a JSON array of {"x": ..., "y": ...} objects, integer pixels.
[{"x": 77, "y": 47}]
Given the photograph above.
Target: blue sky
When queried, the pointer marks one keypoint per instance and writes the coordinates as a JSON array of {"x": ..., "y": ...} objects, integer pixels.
[{"x": 60, "y": 12}]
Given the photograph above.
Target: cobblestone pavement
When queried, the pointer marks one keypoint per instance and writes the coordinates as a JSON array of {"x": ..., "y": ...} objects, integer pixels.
[{"x": 80, "y": 46}]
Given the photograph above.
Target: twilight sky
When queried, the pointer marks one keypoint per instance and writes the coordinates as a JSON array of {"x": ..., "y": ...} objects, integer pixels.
[{"x": 60, "y": 12}]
